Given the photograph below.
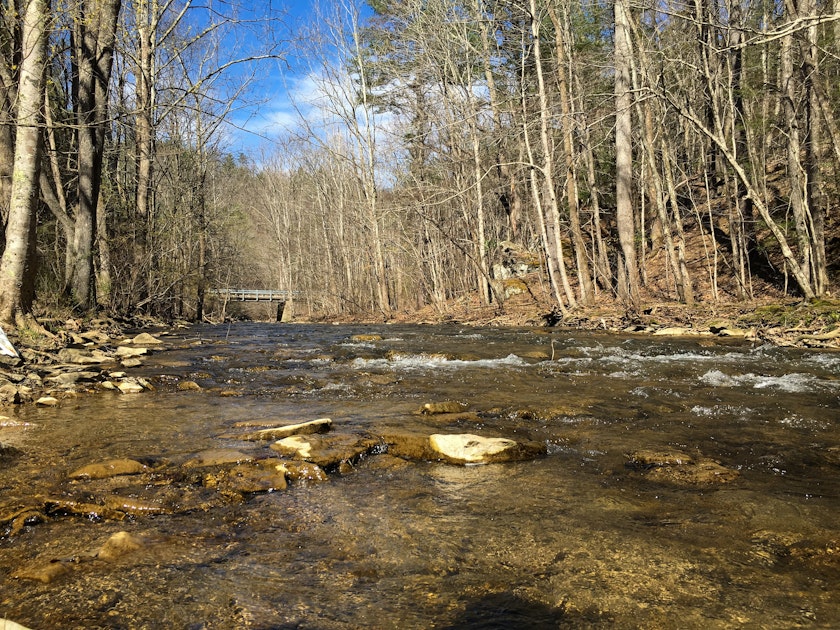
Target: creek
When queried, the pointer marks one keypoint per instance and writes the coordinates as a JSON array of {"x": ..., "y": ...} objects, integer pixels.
[{"x": 589, "y": 534}]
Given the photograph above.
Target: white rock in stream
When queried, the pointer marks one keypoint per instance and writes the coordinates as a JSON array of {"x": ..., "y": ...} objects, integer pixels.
[{"x": 470, "y": 448}]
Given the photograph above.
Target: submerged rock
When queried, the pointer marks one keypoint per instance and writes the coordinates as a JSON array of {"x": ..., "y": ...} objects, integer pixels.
[
  {"x": 218, "y": 457},
  {"x": 111, "y": 468},
  {"x": 247, "y": 478},
  {"x": 44, "y": 573},
  {"x": 680, "y": 468},
  {"x": 120, "y": 544},
  {"x": 647, "y": 458}
]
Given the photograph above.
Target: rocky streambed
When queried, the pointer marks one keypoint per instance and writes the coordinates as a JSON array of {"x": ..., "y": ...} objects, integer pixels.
[{"x": 329, "y": 476}]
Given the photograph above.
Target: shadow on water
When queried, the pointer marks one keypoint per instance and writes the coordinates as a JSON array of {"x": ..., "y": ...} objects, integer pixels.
[{"x": 507, "y": 611}]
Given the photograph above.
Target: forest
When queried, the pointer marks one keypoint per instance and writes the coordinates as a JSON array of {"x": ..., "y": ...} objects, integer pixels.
[{"x": 636, "y": 151}]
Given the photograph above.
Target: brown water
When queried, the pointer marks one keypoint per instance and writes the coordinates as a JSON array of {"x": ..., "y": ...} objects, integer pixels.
[{"x": 572, "y": 539}]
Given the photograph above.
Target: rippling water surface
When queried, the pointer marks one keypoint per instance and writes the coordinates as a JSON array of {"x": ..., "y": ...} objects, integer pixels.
[{"x": 575, "y": 538}]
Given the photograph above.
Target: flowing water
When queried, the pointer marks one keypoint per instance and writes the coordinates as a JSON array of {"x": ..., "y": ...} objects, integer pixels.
[{"x": 573, "y": 538}]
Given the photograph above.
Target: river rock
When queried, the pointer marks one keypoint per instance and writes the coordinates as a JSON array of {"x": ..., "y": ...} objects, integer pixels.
[
  {"x": 702, "y": 472},
  {"x": 47, "y": 401},
  {"x": 132, "y": 362},
  {"x": 366, "y": 338},
  {"x": 9, "y": 453},
  {"x": 443, "y": 407},
  {"x": 127, "y": 352},
  {"x": 648, "y": 458},
  {"x": 145, "y": 339},
  {"x": 120, "y": 544},
  {"x": 300, "y": 471},
  {"x": 675, "y": 331},
  {"x": 82, "y": 357},
  {"x": 9, "y": 393},
  {"x": 111, "y": 468},
  {"x": 673, "y": 466},
  {"x": 44, "y": 573},
  {"x": 321, "y": 425},
  {"x": 189, "y": 386},
  {"x": 328, "y": 451},
  {"x": 7, "y": 624},
  {"x": 248, "y": 478},
  {"x": 218, "y": 457},
  {"x": 127, "y": 387},
  {"x": 467, "y": 448},
  {"x": 67, "y": 379}
]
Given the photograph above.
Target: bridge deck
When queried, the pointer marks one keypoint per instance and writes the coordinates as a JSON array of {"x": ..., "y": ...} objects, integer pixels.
[{"x": 254, "y": 295}]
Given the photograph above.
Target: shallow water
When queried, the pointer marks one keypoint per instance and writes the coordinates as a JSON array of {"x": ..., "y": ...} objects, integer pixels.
[{"x": 575, "y": 538}]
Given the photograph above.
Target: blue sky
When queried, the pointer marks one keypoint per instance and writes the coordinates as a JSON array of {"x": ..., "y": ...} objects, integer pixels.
[{"x": 281, "y": 89}]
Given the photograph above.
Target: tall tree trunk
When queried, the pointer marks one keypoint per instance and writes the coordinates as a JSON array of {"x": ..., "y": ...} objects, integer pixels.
[
  {"x": 17, "y": 264},
  {"x": 625, "y": 217},
  {"x": 561, "y": 46},
  {"x": 94, "y": 46},
  {"x": 552, "y": 211}
]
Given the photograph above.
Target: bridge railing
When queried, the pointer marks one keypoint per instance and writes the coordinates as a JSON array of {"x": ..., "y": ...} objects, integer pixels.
[{"x": 255, "y": 295}]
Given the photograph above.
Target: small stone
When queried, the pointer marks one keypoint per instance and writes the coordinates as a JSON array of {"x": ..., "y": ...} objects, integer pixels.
[
  {"x": 130, "y": 363},
  {"x": 130, "y": 388},
  {"x": 188, "y": 386},
  {"x": 47, "y": 401},
  {"x": 118, "y": 545},
  {"x": 44, "y": 573},
  {"x": 366, "y": 338}
]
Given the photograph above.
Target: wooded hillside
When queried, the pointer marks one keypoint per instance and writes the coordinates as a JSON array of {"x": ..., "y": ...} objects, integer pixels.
[{"x": 670, "y": 151}]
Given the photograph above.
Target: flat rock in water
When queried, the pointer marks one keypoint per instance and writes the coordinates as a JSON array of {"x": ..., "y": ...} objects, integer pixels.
[
  {"x": 127, "y": 352},
  {"x": 47, "y": 401},
  {"x": 326, "y": 450},
  {"x": 649, "y": 458},
  {"x": 321, "y": 425},
  {"x": 145, "y": 339},
  {"x": 247, "y": 478},
  {"x": 130, "y": 388},
  {"x": 6, "y": 624},
  {"x": 700, "y": 473},
  {"x": 111, "y": 468},
  {"x": 443, "y": 407},
  {"x": 218, "y": 457},
  {"x": 466, "y": 448}
]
